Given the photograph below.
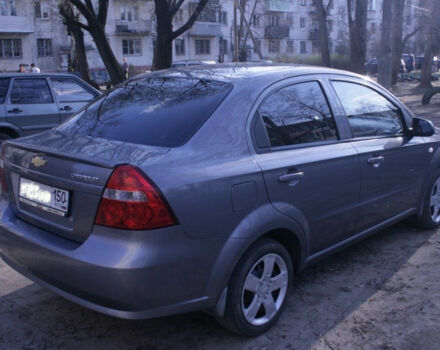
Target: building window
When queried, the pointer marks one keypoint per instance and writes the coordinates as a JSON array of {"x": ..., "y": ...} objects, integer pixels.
[
  {"x": 132, "y": 47},
  {"x": 255, "y": 20},
  {"x": 290, "y": 21},
  {"x": 274, "y": 20},
  {"x": 274, "y": 46},
  {"x": 41, "y": 10},
  {"x": 341, "y": 35},
  {"x": 178, "y": 17},
  {"x": 371, "y": 5},
  {"x": 373, "y": 28},
  {"x": 408, "y": 20},
  {"x": 129, "y": 13},
  {"x": 10, "y": 48},
  {"x": 38, "y": 10},
  {"x": 224, "y": 17},
  {"x": 330, "y": 25},
  {"x": 289, "y": 46},
  {"x": 341, "y": 12},
  {"x": 257, "y": 47},
  {"x": 44, "y": 47},
  {"x": 303, "y": 47},
  {"x": 203, "y": 46},
  {"x": 8, "y": 8},
  {"x": 302, "y": 22},
  {"x": 303, "y": 2},
  {"x": 180, "y": 47},
  {"x": 223, "y": 46}
]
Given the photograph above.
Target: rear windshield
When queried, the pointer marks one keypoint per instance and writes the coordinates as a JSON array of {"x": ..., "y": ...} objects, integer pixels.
[{"x": 153, "y": 111}]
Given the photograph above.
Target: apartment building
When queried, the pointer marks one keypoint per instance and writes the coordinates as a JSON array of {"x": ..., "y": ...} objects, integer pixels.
[{"x": 33, "y": 31}]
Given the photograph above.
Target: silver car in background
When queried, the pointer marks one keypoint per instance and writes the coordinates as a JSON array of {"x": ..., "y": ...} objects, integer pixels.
[{"x": 209, "y": 188}]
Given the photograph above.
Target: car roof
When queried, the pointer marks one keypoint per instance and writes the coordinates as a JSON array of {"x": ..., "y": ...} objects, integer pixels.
[
  {"x": 34, "y": 75},
  {"x": 237, "y": 73}
]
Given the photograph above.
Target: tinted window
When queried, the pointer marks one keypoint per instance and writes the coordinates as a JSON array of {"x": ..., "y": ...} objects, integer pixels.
[
  {"x": 368, "y": 112},
  {"x": 30, "y": 91},
  {"x": 70, "y": 91},
  {"x": 297, "y": 114},
  {"x": 154, "y": 111},
  {"x": 4, "y": 85}
]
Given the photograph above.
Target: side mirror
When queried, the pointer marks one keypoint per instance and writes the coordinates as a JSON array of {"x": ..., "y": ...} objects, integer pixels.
[{"x": 422, "y": 127}]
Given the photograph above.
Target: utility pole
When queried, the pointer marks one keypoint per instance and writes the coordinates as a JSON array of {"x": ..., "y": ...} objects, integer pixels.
[{"x": 236, "y": 44}]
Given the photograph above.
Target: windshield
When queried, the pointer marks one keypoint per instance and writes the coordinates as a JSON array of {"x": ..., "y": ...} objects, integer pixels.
[{"x": 151, "y": 111}]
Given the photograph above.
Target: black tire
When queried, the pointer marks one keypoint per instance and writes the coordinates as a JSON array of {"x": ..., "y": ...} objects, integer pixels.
[
  {"x": 426, "y": 220},
  {"x": 234, "y": 318},
  {"x": 4, "y": 136}
]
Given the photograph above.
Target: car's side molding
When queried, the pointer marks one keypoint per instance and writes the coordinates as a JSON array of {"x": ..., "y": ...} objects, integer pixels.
[{"x": 259, "y": 222}]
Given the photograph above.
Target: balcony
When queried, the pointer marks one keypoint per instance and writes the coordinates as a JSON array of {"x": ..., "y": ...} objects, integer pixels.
[
  {"x": 16, "y": 24},
  {"x": 278, "y": 5},
  {"x": 208, "y": 29},
  {"x": 276, "y": 32},
  {"x": 314, "y": 34},
  {"x": 135, "y": 27}
]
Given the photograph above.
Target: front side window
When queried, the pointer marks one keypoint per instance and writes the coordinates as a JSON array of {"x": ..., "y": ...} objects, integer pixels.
[
  {"x": 297, "y": 114},
  {"x": 4, "y": 85},
  {"x": 44, "y": 47},
  {"x": 132, "y": 47},
  {"x": 30, "y": 91},
  {"x": 151, "y": 111},
  {"x": 368, "y": 112},
  {"x": 69, "y": 91}
]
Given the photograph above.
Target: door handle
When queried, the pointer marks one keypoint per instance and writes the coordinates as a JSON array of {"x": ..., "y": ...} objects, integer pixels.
[
  {"x": 15, "y": 110},
  {"x": 66, "y": 108},
  {"x": 375, "y": 161},
  {"x": 292, "y": 178}
]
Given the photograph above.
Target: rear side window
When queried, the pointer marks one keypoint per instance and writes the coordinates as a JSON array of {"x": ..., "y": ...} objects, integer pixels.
[
  {"x": 297, "y": 114},
  {"x": 4, "y": 85},
  {"x": 68, "y": 90},
  {"x": 368, "y": 112},
  {"x": 30, "y": 91},
  {"x": 154, "y": 111}
]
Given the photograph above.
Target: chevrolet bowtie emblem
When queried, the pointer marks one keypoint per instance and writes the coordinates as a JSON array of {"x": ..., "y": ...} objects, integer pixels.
[{"x": 38, "y": 161}]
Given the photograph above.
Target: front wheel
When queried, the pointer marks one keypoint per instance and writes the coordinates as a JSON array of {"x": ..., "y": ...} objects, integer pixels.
[
  {"x": 258, "y": 289},
  {"x": 430, "y": 217}
]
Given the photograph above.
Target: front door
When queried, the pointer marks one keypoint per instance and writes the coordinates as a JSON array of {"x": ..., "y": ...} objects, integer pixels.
[
  {"x": 392, "y": 163},
  {"x": 31, "y": 106},
  {"x": 309, "y": 174}
]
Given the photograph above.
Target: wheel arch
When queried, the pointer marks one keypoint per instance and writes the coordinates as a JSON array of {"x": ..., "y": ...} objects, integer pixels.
[{"x": 10, "y": 129}]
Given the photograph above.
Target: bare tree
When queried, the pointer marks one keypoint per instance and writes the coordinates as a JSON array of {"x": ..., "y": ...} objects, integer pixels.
[
  {"x": 96, "y": 19},
  {"x": 322, "y": 13},
  {"x": 358, "y": 33},
  {"x": 396, "y": 37},
  {"x": 245, "y": 30},
  {"x": 385, "y": 56},
  {"x": 431, "y": 45},
  {"x": 80, "y": 59},
  {"x": 165, "y": 11}
]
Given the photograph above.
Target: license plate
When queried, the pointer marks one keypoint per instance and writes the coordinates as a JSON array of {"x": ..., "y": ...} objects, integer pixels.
[{"x": 48, "y": 198}]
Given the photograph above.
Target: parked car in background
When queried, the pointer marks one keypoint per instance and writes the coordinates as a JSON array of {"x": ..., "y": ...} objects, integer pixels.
[
  {"x": 209, "y": 188},
  {"x": 189, "y": 63},
  {"x": 435, "y": 63},
  {"x": 31, "y": 103},
  {"x": 410, "y": 62},
  {"x": 371, "y": 67}
]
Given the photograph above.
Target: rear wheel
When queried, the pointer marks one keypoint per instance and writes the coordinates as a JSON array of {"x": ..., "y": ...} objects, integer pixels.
[
  {"x": 430, "y": 217},
  {"x": 258, "y": 290},
  {"x": 4, "y": 136}
]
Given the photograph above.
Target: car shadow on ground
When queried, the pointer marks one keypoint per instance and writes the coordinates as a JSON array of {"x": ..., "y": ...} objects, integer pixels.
[{"x": 323, "y": 295}]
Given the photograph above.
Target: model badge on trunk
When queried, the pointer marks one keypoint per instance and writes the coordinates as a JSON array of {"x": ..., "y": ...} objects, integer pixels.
[
  {"x": 38, "y": 161},
  {"x": 85, "y": 178}
]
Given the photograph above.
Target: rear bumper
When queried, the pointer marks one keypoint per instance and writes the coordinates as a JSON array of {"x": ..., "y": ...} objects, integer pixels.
[{"x": 132, "y": 275}]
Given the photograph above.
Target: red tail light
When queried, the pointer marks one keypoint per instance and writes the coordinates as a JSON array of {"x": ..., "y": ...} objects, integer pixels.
[{"x": 130, "y": 201}]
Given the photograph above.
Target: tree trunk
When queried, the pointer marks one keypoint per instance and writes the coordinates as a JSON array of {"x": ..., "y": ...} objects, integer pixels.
[
  {"x": 358, "y": 35},
  {"x": 397, "y": 44},
  {"x": 323, "y": 33},
  {"x": 80, "y": 53},
  {"x": 385, "y": 59},
  {"x": 431, "y": 46},
  {"x": 163, "y": 52},
  {"x": 105, "y": 51}
]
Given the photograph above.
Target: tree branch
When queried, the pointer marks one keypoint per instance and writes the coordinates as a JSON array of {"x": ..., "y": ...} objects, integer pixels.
[
  {"x": 83, "y": 9},
  {"x": 350, "y": 18},
  {"x": 90, "y": 7},
  {"x": 328, "y": 7},
  {"x": 409, "y": 35},
  {"x": 102, "y": 13},
  {"x": 175, "y": 6},
  {"x": 191, "y": 20}
]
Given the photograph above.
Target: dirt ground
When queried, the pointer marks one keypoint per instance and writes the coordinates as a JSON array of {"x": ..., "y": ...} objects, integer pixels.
[{"x": 383, "y": 293}]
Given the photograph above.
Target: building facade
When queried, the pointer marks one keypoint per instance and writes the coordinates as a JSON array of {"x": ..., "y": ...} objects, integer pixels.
[{"x": 33, "y": 32}]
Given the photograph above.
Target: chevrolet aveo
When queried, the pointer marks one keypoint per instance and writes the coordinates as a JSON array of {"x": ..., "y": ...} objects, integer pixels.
[{"x": 209, "y": 188}]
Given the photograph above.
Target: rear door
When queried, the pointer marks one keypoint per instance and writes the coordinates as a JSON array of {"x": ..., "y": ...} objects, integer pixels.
[
  {"x": 31, "y": 106},
  {"x": 4, "y": 88},
  {"x": 71, "y": 95},
  {"x": 310, "y": 174},
  {"x": 393, "y": 164}
]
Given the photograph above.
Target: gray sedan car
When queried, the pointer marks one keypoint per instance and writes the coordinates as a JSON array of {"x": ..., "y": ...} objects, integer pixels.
[
  {"x": 31, "y": 103},
  {"x": 209, "y": 188}
]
